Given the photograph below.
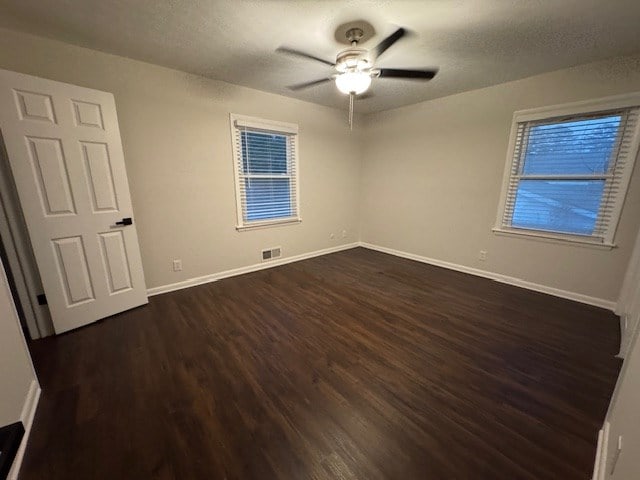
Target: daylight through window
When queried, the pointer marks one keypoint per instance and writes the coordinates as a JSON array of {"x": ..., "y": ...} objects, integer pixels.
[
  {"x": 569, "y": 174},
  {"x": 266, "y": 172}
]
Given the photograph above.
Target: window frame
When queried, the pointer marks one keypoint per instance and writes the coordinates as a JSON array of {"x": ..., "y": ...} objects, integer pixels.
[
  {"x": 587, "y": 107},
  {"x": 281, "y": 128}
]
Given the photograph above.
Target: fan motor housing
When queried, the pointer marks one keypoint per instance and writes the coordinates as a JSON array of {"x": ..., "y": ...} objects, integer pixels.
[{"x": 352, "y": 59}]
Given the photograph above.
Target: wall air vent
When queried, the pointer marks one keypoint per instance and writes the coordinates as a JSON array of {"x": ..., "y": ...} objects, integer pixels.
[{"x": 271, "y": 253}]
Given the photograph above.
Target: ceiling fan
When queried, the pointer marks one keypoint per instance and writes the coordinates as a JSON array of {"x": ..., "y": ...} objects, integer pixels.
[{"x": 354, "y": 67}]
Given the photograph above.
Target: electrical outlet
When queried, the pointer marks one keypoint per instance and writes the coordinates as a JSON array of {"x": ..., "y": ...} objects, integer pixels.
[
  {"x": 483, "y": 255},
  {"x": 177, "y": 265},
  {"x": 344, "y": 234}
]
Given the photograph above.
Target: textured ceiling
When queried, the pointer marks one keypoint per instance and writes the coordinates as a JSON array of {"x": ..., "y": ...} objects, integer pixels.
[{"x": 475, "y": 43}]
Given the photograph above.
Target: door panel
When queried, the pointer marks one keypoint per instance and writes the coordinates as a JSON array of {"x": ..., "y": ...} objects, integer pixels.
[
  {"x": 98, "y": 171},
  {"x": 114, "y": 253},
  {"x": 66, "y": 156},
  {"x": 52, "y": 176},
  {"x": 87, "y": 114},
  {"x": 35, "y": 106},
  {"x": 73, "y": 270}
]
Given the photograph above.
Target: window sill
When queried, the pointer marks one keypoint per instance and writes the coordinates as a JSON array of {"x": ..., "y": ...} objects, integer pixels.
[
  {"x": 553, "y": 238},
  {"x": 267, "y": 224}
]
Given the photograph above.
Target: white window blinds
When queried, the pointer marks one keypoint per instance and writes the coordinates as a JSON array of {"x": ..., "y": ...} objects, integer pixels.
[
  {"x": 569, "y": 174},
  {"x": 265, "y": 157}
]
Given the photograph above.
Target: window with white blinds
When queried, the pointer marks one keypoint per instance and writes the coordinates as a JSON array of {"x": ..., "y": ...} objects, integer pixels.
[
  {"x": 266, "y": 170},
  {"x": 568, "y": 173}
]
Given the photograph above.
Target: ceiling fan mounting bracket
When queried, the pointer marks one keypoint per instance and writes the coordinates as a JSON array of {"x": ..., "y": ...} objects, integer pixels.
[
  {"x": 354, "y": 35},
  {"x": 342, "y": 34}
]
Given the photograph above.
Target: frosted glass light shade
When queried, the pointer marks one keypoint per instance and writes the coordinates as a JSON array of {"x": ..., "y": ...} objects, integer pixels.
[{"x": 353, "y": 82}]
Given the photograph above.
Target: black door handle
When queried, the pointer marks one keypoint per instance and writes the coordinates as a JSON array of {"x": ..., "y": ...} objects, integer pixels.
[{"x": 125, "y": 221}]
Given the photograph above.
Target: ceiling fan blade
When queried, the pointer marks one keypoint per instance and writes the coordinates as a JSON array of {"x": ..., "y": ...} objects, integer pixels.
[
  {"x": 313, "y": 83},
  {"x": 387, "y": 42},
  {"x": 408, "y": 74},
  {"x": 308, "y": 56}
]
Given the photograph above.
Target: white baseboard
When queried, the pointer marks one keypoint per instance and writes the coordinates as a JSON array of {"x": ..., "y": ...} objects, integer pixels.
[
  {"x": 518, "y": 282},
  {"x": 192, "y": 282},
  {"x": 27, "y": 415},
  {"x": 600, "y": 464}
]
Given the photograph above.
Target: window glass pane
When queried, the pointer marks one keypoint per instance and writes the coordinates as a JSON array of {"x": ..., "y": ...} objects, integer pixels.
[
  {"x": 264, "y": 153},
  {"x": 571, "y": 147},
  {"x": 268, "y": 198},
  {"x": 569, "y": 206}
]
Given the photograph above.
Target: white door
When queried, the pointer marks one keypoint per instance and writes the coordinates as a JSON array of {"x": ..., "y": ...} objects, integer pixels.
[{"x": 65, "y": 152}]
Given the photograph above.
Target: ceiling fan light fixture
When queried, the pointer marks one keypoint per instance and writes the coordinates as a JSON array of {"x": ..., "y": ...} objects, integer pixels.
[
  {"x": 353, "y": 82},
  {"x": 355, "y": 66}
]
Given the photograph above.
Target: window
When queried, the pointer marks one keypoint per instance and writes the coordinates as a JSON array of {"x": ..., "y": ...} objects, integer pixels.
[
  {"x": 265, "y": 160},
  {"x": 568, "y": 170}
]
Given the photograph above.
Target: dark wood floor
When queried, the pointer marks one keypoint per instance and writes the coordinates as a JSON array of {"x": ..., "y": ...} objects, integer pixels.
[{"x": 356, "y": 365}]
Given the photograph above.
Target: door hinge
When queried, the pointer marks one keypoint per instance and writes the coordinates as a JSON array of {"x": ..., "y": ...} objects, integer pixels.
[{"x": 42, "y": 299}]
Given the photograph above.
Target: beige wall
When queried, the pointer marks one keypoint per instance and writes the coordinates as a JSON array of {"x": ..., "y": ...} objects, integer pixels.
[
  {"x": 16, "y": 371},
  {"x": 428, "y": 184},
  {"x": 177, "y": 144},
  {"x": 432, "y": 175},
  {"x": 624, "y": 418},
  {"x": 624, "y": 412}
]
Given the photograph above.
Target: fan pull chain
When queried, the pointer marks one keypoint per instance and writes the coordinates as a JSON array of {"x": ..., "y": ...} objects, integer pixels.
[{"x": 351, "y": 97}]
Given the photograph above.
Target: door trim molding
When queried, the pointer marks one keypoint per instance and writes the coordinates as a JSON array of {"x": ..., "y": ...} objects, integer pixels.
[
  {"x": 27, "y": 416},
  {"x": 628, "y": 306},
  {"x": 20, "y": 260}
]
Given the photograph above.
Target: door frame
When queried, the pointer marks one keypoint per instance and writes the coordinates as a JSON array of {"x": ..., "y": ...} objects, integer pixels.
[
  {"x": 628, "y": 305},
  {"x": 21, "y": 266}
]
